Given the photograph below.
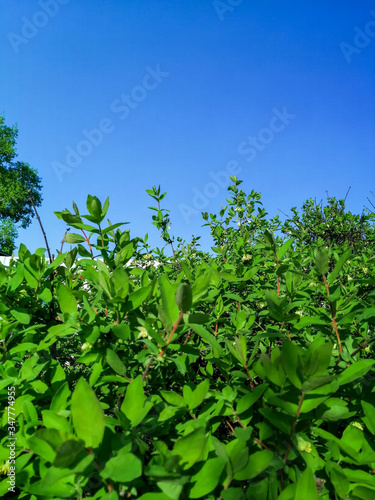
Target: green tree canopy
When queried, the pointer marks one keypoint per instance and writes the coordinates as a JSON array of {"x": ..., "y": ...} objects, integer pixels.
[{"x": 18, "y": 183}]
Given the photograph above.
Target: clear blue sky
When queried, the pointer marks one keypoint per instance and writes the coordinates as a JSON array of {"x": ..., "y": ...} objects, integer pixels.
[{"x": 284, "y": 91}]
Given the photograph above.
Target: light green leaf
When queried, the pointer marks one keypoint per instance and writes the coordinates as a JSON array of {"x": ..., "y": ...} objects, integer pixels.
[
  {"x": 207, "y": 478},
  {"x": 190, "y": 447},
  {"x": 134, "y": 405},
  {"x": 88, "y": 414},
  {"x": 321, "y": 260},
  {"x": 167, "y": 292},
  {"x": 355, "y": 371},
  {"x": 124, "y": 467},
  {"x": 257, "y": 463},
  {"x": 306, "y": 487},
  {"x": 72, "y": 238},
  {"x": 369, "y": 418},
  {"x": 66, "y": 299}
]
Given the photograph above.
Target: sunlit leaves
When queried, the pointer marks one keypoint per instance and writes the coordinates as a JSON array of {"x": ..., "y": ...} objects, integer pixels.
[{"x": 88, "y": 415}]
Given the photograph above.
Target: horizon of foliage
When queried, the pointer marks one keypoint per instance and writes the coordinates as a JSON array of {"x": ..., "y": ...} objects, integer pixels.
[{"x": 246, "y": 374}]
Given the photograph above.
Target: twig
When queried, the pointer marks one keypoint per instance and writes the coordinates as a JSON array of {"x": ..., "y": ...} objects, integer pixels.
[
  {"x": 41, "y": 227},
  {"x": 294, "y": 426}
]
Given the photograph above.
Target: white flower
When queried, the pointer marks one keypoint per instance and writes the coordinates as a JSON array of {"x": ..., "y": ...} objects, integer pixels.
[
  {"x": 238, "y": 224},
  {"x": 358, "y": 425},
  {"x": 300, "y": 313},
  {"x": 143, "y": 334},
  {"x": 85, "y": 346},
  {"x": 365, "y": 270},
  {"x": 246, "y": 257},
  {"x": 5, "y": 469},
  {"x": 304, "y": 445}
]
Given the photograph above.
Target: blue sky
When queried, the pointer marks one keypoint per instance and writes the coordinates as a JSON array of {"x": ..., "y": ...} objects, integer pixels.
[{"x": 113, "y": 97}]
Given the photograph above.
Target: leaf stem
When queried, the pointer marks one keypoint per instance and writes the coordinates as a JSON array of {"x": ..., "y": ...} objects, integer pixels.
[
  {"x": 171, "y": 334},
  {"x": 294, "y": 426}
]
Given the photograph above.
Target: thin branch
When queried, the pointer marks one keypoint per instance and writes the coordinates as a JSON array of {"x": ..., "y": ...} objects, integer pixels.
[
  {"x": 347, "y": 193},
  {"x": 294, "y": 426},
  {"x": 63, "y": 240},
  {"x": 41, "y": 227}
]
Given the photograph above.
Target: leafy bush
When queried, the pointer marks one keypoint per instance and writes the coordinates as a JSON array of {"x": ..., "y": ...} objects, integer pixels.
[{"x": 126, "y": 372}]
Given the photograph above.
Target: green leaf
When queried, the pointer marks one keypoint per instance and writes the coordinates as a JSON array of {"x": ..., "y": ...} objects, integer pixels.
[
  {"x": 241, "y": 348},
  {"x": 313, "y": 383},
  {"x": 333, "y": 275},
  {"x": 87, "y": 414},
  {"x": 244, "y": 403},
  {"x": 67, "y": 453},
  {"x": 306, "y": 487},
  {"x": 115, "y": 362},
  {"x": 275, "y": 305},
  {"x": 209, "y": 338},
  {"x": 333, "y": 413},
  {"x": 95, "y": 208},
  {"x": 257, "y": 463},
  {"x": 59, "y": 331},
  {"x": 105, "y": 208},
  {"x": 52, "y": 420},
  {"x": 200, "y": 286},
  {"x": 321, "y": 260},
  {"x": 72, "y": 238},
  {"x": 355, "y": 371},
  {"x": 369, "y": 418},
  {"x": 198, "y": 318},
  {"x": 121, "y": 282},
  {"x": 291, "y": 355},
  {"x": 282, "y": 250},
  {"x": 136, "y": 298},
  {"x": 66, "y": 299},
  {"x": 20, "y": 315},
  {"x": 60, "y": 399},
  {"x": 269, "y": 239},
  {"x": 134, "y": 406},
  {"x": 319, "y": 360},
  {"x": 124, "y": 467},
  {"x": 173, "y": 398},
  {"x": 41, "y": 448},
  {"x": 196, "y": 397},
  {"x": 190, "y": 447},
  {"x": 184, "y": 297},
  {"x": 207, "y": 478},
  {"x": 167, "y": 292},
  {"x": 122, "y": 331}
]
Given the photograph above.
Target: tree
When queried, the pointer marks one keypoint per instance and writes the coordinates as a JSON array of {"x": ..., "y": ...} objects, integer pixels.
[
  {"x": 19, "y": 184},
  {"x": 332, "y": 225}
]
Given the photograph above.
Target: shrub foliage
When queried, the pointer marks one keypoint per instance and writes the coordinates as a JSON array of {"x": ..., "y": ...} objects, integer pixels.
[{"x": 246, "y": 374}]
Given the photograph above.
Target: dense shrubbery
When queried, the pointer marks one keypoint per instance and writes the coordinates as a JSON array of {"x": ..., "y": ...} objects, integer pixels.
[{"x": 247, "y": 375}]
